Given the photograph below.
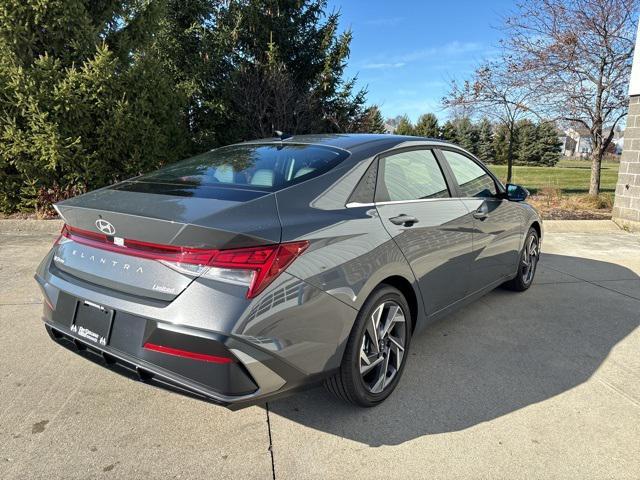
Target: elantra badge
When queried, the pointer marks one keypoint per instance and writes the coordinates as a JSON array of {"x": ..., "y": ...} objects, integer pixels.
[{"x": 105, "y": 227}]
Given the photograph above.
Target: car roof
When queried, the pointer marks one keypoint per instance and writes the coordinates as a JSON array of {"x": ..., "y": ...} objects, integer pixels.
[{"x": 349, "y": 141}]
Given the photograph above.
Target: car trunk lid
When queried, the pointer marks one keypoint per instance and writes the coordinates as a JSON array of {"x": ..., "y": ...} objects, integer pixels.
[{"x": 109, "y": 227}]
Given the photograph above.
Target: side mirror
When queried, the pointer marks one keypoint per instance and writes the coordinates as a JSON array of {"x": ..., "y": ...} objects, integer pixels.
[{"x": 516, "y": 193}]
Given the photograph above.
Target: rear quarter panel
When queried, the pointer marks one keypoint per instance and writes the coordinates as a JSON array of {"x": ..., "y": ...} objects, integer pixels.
[{"x": 350, "y": 252}]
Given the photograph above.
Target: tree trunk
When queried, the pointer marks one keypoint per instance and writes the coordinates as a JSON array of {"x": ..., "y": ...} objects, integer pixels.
[
  {"x": 510, "y": 155},
  {"x": 596, "y": 164},
  {"x": 596, "y": 137}
]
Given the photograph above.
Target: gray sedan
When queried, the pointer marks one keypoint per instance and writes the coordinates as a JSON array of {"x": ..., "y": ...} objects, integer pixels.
[{"x": 260, "y": 268}]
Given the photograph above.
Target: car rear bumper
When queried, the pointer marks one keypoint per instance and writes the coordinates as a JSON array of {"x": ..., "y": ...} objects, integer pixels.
[
  {"x": 251, "y": 377},
  {"x": 132, "y": 367},
  {"x": 260, "y": 367}
]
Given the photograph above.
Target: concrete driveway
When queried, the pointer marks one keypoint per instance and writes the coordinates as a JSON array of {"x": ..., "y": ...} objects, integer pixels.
[{"x": 544, "y": 384}]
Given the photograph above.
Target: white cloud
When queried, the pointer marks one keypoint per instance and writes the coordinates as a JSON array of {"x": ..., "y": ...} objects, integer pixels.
[
  {"x": 449, "y": 49},
  {"x": 405, "y": 92},
  {"x": 446, "y": 54},
  {"x": 376, "y": 66}
]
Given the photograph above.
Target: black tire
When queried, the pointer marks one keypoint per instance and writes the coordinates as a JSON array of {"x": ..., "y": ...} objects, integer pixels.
[
  {"x": 352, "y": 386},
  {"x": 526, "y": 269}
]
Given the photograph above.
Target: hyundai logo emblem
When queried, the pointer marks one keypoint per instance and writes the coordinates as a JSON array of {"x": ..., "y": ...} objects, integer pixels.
[{"x": 105, "y": 227}]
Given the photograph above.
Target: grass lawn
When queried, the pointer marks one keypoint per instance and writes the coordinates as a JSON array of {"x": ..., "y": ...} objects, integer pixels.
[
  {"x": 569, "y": 176},
  {"x": 561, "y": 192}
]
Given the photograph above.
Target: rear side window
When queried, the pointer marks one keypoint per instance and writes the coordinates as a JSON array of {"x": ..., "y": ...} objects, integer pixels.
[
  {"x": 411, "y": 175},
  {"x": 257, "y": 167},
  {"x": 473, "y": 180}
]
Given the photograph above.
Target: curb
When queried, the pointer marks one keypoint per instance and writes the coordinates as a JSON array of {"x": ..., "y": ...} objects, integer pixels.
[
  {"x": 30, "y": 227},
  {"x": 581, "y": 226}
]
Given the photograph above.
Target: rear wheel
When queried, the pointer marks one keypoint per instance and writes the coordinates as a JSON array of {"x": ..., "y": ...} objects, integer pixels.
[
  {"x": 376, "y": 351},
  {"x": 529, "y": 257}
]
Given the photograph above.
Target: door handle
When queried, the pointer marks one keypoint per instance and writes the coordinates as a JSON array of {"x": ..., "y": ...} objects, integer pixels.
[
  {"x": 403, "y": 219},
  {"x": 482, "y": 212}
]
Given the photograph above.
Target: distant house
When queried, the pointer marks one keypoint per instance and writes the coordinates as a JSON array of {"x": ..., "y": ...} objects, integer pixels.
[
  {"x": 389, "y": 128},
  {"x": 576, "y": 142},
  {"x": 619, "y": 144},
  {"x": 567, "y": 141}
]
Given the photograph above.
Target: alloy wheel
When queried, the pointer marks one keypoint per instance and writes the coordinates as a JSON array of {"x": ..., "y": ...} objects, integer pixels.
[
  {"x": 530, "y": 259},
  {"x": 383, "y": 346}
]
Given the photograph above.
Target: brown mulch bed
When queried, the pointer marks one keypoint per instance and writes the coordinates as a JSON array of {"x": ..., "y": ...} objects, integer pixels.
[{"x": 553, "y": 205}]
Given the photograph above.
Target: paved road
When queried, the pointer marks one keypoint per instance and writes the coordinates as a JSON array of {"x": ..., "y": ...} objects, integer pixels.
[{"x": 544, "y": 384}]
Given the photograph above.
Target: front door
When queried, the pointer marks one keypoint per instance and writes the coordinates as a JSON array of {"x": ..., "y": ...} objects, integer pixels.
[
  {"x": 497, "y": 221},
  {"x": 432, "y": 229}
]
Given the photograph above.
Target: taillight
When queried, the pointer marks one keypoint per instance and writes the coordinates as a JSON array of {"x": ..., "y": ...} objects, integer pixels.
[{"x": 254, "y": 267}]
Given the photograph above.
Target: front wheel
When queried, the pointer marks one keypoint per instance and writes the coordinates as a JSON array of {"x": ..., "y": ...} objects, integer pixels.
[
  {"x": 528, "y": 263},
  {"x": 376, "y": 351}
]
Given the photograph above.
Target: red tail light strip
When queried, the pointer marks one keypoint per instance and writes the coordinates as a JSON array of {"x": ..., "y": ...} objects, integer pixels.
[
  {"x": 266, "y": 261},
  {"x": 137, "y": 248},
  {"x": 176, "y": 352}
]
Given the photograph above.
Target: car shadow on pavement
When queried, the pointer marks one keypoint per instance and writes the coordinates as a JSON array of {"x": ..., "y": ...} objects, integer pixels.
[{"x": 501, "y": 354}]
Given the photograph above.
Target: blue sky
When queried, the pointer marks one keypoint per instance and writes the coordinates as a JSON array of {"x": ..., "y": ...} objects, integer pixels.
[{"x": 406, "y": 51}]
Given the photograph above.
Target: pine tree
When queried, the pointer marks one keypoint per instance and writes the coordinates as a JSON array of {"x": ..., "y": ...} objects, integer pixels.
[
  {"x": 287, "y": 62},
  {"x": 501, "y": 144},
  {"x": 549, "y": 145},
  {"x": 80, "y": 106},
  {"x": 449, "y": 132},
  {"x": 527, "y": 151},
  {"x": 427, "y": 126},
  {"x": 93, "y": 92},
  {"x": 191, "y": 48},
  {"x": 405, "y": 127},
  {"x": 371, "y": 121},
  {"x": 486, "y": 149},
  {"x": 467, "y": 135}
]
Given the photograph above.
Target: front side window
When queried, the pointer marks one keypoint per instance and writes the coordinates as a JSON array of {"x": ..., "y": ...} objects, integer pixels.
[
  {"x": 411, "y": 175},
  {"x": 473, "y": 180},
  {"x": 265, "y": 167}
]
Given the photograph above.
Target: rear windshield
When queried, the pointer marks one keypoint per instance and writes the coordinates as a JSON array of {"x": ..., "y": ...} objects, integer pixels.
[{"x": 258, "y": 167}]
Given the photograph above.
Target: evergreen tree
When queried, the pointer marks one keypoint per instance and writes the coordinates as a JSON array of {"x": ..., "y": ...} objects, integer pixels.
[
  {"x": 526, "y": 150},
  {"x": 80, "y": 107},
  {"x": 467, "y": 134},
  {"x": 486, "y": 149},
  {"x": 427, "y": 126},
  {"x": 93, "y": 92},
  {"x": 549, "y": 144},
  {"x": 405, "y": 127},
  {"x": 501, "y": 144},
  {"x": 287, "y": 64},
  {"x": 449, "y": 132},
  {"x": 371, "y": 121},
  {"x": 191, "y": 48}
]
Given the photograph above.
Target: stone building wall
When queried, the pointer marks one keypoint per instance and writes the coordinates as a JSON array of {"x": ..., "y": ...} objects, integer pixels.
[{"x": 626, "y": 209}]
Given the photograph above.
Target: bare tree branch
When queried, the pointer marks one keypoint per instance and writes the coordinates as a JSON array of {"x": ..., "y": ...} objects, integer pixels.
[
  {"x": 495, "y": 92},
  {"x": 579, "y": 54}
]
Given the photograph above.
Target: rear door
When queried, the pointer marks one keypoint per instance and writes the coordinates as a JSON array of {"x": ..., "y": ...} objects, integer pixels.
[
  {"x": 431, "y": 228},
  {"x": 497, "y": 222}
]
